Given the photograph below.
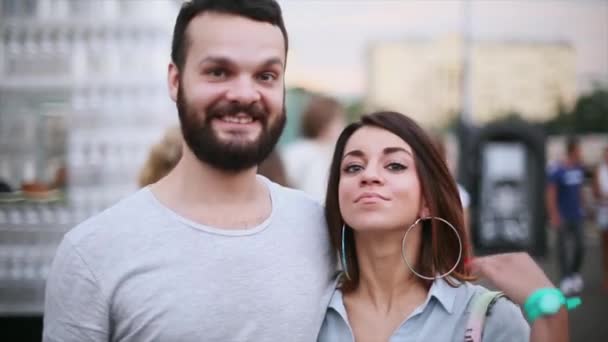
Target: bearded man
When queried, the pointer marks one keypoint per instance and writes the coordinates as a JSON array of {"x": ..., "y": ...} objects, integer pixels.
[{"x": 211, "y": 252}]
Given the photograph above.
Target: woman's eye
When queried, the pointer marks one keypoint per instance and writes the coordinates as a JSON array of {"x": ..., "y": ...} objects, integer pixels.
[
  {"x": 396, "y": 167},
  {"x": 352, "y": 168}
]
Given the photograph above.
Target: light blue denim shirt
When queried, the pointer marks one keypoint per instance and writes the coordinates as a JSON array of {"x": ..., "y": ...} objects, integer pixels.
[{"x": 441, "y": 318}]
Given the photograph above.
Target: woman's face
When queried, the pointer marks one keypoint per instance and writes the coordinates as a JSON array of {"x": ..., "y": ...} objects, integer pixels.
[{"x": 379, "y": 187}]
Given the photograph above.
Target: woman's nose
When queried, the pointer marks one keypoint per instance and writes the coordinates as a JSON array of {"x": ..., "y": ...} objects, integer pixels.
[{"x": 371, "y": 175}]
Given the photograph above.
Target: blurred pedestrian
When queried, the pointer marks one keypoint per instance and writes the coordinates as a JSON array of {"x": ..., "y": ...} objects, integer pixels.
[
  {"x": 162, "y": 158},
  {"x": 600, "y": 190},
  {"x": 564, "y": 203},
  {"x": 463, "y": 194},
  {"x": 307, "y": 160},
  {"x": 273, "y": 168}
]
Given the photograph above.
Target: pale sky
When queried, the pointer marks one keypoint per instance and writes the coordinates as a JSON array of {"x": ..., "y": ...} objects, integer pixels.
[{"x": 328, "y": 38}]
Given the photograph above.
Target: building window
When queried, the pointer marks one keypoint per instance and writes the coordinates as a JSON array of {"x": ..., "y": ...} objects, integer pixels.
[
  {"x": 19, "y": 8},
  {"x": 80, "y": 7}
]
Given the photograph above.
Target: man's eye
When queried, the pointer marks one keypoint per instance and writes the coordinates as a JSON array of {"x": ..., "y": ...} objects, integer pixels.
[
  {"x": 217, "y": 73},
  {"x": 267, "y": 77}
]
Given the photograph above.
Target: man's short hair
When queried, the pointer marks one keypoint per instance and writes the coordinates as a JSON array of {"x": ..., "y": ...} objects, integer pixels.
[{"x": 267, "y": 11}]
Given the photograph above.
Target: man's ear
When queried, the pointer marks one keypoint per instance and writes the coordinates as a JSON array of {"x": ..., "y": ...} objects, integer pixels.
[{"x": 173, "y": 81}]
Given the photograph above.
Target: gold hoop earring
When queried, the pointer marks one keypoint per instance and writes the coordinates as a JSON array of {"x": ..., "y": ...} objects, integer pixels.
[{"x": 408, "y": 263}]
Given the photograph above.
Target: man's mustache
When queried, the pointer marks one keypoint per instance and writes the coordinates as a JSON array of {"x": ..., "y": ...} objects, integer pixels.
[{"x": 254, "y": 110}]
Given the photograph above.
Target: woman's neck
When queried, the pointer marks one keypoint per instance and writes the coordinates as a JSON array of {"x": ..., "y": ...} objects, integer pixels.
[{"x": 384, "y": 278}]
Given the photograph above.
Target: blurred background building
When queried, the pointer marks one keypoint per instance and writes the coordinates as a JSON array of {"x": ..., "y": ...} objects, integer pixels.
[
  {"x": 422, "y": 77},
  {"x": 82, "y": 97}
]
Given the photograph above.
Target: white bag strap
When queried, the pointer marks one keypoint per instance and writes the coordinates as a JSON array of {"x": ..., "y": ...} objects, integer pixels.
[{"x": 479, "y": 309}]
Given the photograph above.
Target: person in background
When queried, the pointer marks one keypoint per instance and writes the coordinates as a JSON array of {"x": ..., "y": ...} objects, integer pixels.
[
  {"x": 162, "y": 158},
  {"x": 463, "y": 194},
  {"x": 600, "y": 190},
  {"x": 273, "y": 168},
  {"x": 564, "y": 203},
  {"x": 307, "y": 160},
  {"x": 395, "y": 219}
]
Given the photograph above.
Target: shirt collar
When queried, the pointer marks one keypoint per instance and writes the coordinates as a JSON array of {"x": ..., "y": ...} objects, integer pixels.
[
  {"x": 444, "y": 294},
  {"x": 337, "y": 303},
  {"x": 440, "y": 290}
]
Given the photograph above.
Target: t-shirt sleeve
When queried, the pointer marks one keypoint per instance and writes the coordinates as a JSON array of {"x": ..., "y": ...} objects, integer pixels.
[
  {"x": 75, "y": 309},
  {"x": 505, "y": 323},
  {"x": 553, "y": 175}
]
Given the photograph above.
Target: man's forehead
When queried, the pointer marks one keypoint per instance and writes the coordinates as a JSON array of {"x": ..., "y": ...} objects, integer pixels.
[{"x": 225, "y": 34}]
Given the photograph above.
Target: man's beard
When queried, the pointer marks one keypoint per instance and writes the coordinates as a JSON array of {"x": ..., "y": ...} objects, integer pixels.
[{"x": 228, "y": 156}]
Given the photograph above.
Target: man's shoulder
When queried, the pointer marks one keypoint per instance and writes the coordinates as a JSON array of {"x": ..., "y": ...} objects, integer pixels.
[
  {"x": 296, "y": 198},
  {"x": 114, "y": 219}
]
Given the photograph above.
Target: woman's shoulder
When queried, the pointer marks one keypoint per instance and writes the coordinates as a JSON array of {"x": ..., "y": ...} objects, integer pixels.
[{"x": 504, "y": 319}]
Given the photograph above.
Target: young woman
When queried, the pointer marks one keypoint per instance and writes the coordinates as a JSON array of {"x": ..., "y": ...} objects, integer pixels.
[{"x": 395, "y": 218}]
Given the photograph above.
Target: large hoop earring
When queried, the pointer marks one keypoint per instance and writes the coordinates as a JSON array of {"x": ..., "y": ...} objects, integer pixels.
[
  {"x": 408, "y": 263},
  {"x": 343, "y": 253}
]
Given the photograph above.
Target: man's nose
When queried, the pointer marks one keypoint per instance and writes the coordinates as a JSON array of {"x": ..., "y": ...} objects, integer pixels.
[{"x": 243, "y": 90}]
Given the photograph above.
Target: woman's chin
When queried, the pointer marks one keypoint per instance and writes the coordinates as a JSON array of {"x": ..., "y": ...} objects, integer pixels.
[{"x": 378, "y": 226}]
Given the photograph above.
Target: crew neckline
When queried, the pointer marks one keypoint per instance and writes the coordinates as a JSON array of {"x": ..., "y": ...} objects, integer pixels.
[{"x": 221, "y": 231}]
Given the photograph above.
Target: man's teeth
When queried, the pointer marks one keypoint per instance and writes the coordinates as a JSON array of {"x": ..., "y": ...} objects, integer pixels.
[{"x": 239, "y": 119}]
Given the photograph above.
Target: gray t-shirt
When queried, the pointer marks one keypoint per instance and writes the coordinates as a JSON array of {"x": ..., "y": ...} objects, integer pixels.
[{"x": 140, "y": 272}]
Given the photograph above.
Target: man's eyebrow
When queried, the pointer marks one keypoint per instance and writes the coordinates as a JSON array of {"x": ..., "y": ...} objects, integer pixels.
[
  {"x": 273, "y": 61},
  {"x": 216, "y": 60},
  {"x": 226, "y": 61}
]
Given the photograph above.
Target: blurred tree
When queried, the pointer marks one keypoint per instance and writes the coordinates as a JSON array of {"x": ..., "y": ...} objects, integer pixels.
[{"x": 589, "y": 115}]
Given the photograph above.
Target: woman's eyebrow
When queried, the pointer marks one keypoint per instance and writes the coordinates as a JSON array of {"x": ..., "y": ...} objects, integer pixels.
[{"x": 354, "y": 153}]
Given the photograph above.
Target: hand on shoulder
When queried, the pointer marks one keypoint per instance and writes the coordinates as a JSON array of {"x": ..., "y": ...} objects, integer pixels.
[{"x": 515, "y": 274}]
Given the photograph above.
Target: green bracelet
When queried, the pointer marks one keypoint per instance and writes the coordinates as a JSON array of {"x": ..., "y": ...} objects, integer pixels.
[{"x": 547, "y": 301}]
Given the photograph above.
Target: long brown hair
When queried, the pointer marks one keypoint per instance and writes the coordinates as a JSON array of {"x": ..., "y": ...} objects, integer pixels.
[{"x": 439, "y": 250}]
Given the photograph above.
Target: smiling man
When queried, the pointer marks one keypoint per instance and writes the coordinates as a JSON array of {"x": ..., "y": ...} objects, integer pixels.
[{"x": 211, "y": 252}]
